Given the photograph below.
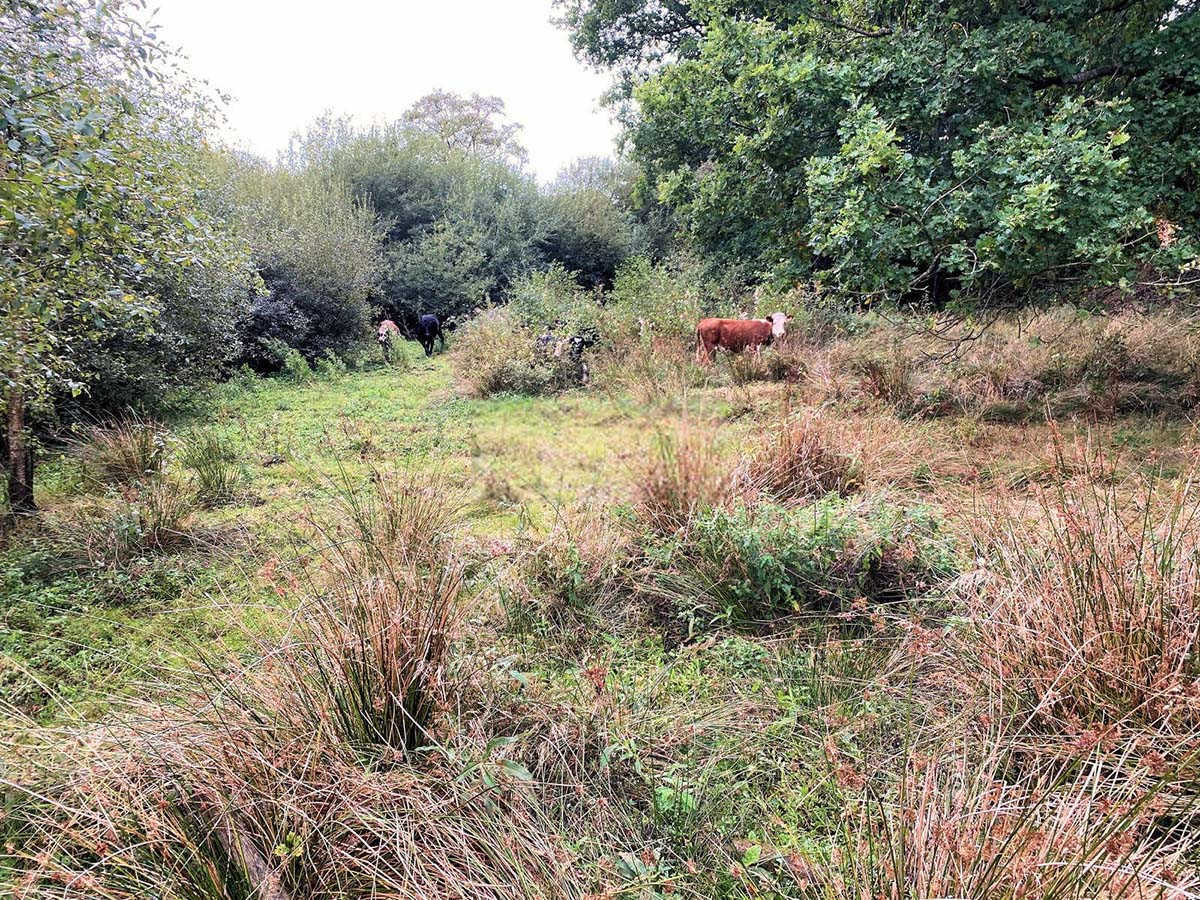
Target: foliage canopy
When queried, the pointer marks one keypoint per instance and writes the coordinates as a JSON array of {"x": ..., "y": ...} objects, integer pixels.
[{"x": 916, "y": 150}]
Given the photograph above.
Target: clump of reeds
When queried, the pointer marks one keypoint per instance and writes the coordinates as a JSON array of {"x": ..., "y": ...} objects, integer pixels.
[
  {"x": 795, "y": 462},
  {"x": 215, "y": 465},
  {"x": 150, "y": 516},
  {"x": 122, "y": 452},
  {"x": 1088, "y": 616},
  {"x": 685, "y": 476},
  {"x": 958, "y": 825}
]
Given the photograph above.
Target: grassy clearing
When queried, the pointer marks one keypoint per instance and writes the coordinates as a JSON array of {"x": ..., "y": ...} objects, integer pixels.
[{"x": 700, "y": 634}]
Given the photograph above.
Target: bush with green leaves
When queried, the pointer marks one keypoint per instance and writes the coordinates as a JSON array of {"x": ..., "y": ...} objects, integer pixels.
[
  {"x": 553, "y": 299},
  {"x": 666, "y": 298},
  {"x": 460, "y": 221},
  {"x": 747, "y": 565},
  {"x": 495, "y": 354},
  {"x": 318, "y": 248},
  {"x": 585, "y": 232},
  {"x": 111, "y": 239},
  {"x": 290, "y": 361}
]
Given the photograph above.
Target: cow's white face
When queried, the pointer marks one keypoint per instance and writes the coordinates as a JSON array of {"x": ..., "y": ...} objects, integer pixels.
[{"x": 778, "y": 320}]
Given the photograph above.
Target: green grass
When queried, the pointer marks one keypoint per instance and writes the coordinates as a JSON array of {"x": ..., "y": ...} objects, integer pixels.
[
  {"x": 734, "y": 748},
  {"x": 72, "y": 639}
]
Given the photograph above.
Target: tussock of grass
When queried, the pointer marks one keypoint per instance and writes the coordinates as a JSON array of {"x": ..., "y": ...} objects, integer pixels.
[
  {"x": 215, "y": 465},
  {"x": 684, "y": 476},
  {"x": 123, "y": 452},
  {"x": 146, "y": 517},
  {"x": 1086, "y": 620},
  {"x": 795, "y": 462},
  {"x": 959, "y": 826}
]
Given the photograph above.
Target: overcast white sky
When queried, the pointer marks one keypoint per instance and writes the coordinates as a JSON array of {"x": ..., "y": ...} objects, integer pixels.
[{"x": 286, "y": 61}]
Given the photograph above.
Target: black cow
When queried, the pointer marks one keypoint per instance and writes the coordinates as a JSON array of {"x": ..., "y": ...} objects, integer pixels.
[
  {"x": 429, "y": 329},
  {"x": 548, "y": 344}
]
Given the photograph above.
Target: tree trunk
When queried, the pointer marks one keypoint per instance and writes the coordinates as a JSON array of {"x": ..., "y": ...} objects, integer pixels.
[{"x": 20, "y": 458}]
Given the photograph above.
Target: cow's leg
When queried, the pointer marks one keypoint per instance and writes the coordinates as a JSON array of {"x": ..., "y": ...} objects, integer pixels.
[
  {"x": 427, "y": 343},
  {"x": 442, "y": 338}
]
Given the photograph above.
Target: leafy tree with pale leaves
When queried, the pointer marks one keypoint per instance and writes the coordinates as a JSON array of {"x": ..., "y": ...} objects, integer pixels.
[
  {"x": 98, "y": 214},
  {"x": 476, "y": 125}
]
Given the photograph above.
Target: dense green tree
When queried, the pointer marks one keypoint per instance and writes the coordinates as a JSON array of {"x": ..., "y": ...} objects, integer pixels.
[
  {"x": 99, "y": 217},
  {"x": 923, "y": 150},
  {"x": 458, "y": 225},
  {"x": 586, "y": 223},
  {"x": 319, "y": 252}
]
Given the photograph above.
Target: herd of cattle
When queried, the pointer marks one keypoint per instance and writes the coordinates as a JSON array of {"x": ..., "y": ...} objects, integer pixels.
[{"x": 732, "y": 335}]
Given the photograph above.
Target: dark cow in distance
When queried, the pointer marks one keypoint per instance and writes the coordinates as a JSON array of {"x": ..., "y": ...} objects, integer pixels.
[
  {"x": 736, "y": 335},
  {"x": 429, "y": 329}
]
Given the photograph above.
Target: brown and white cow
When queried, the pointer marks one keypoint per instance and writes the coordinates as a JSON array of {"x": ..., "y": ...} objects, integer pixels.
[
  {"x": 736, "y": 335},
  {"x": 388, "y": 332}
]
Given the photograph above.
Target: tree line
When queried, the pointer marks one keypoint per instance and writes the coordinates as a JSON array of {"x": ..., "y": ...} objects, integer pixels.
[{"x": 946, "y": 152}]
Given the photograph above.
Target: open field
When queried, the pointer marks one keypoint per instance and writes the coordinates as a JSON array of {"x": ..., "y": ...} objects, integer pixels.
[{"x": 734, "y": 639}]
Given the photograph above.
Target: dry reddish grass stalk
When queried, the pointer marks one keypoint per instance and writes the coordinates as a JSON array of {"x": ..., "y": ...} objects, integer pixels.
[
  {"x": 794, "y": 462},
  {"x": 959, "y": 826},
  {"x": 1088, "y": 615},
  {"x": 685, "y": 476}
]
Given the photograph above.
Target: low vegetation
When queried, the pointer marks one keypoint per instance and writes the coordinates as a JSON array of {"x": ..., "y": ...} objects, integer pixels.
[{"x": 776, "y": 652}]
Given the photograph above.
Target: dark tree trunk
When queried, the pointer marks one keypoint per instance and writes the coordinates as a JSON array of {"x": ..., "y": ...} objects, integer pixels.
[{"x": 20, "y": 458}]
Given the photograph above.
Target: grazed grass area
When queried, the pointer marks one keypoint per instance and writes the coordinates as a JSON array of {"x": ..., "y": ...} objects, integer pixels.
[
  {"x": 72, "y": 637},
  {"x": 730, "y": 645}
]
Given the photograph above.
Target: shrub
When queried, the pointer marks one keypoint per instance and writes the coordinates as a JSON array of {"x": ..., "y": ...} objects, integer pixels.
[
  {"x": 553, "y": 299},
  {"x": 126, "y": 451},
  {"x": 318, "y": 248},
  {"x": 295, "y": 367},
  {"x": 148, "y": 517},
  {"x": 495, "y": 354},
  {"x": 795, "y": 463},
  {"x": 215, "y": 465},
  {"x": 330, "y": 366},
  {"x": 747, "y": 566},
  {"x": 666, "y": 300}
]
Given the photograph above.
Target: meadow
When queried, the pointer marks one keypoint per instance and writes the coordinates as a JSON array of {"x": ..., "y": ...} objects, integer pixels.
[{"x": 839, "y": 621}]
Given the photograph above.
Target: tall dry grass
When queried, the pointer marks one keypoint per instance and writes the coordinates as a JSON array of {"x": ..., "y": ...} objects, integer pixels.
[
  {"x": 685, "y": 475},
  {"x": 959, "y": 825},
  {"x": 303, "y": 770},
  {"x": 1086, "y": 619},
  {"x": 122, "y": 452},
  {"x": 794, "y": 462}
]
